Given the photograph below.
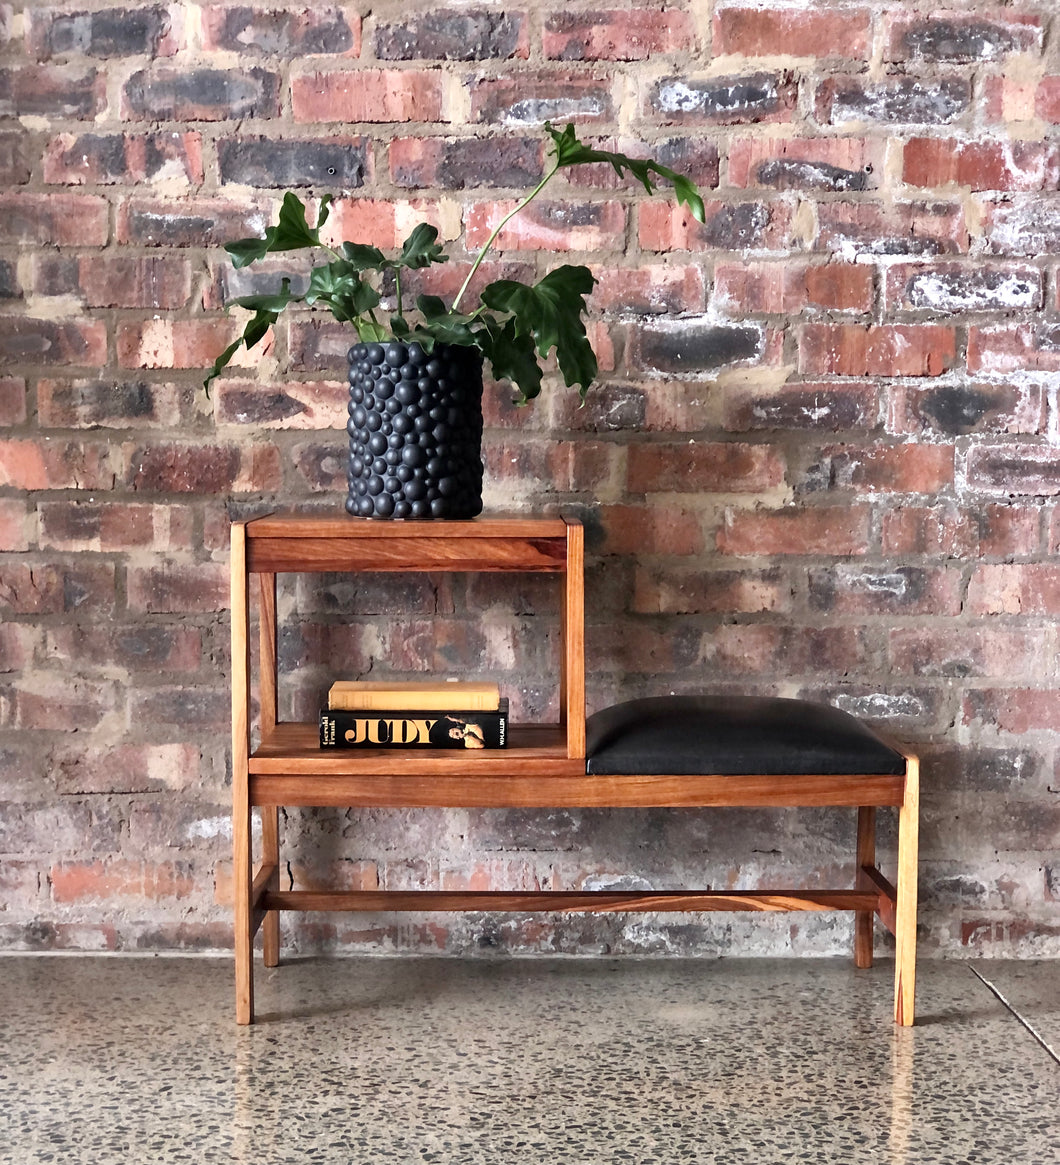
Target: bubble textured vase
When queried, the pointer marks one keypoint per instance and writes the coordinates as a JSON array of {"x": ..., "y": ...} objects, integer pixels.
[{"x": 415, "y": 431}]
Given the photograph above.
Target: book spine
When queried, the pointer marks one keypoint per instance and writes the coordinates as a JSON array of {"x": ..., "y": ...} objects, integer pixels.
[
  {"x": 414, "y": 729},
  {"x": 376, "y": 703}
]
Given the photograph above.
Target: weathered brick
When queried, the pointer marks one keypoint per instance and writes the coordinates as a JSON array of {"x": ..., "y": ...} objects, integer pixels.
[
  {"x": 264, "y": 162},
  {"x": 172, "y": 94},
  {"x": 447, "y": 35},
  {"x": 736, "y": 100},
  {"x": 51, "y": 91},
  {"x": 981, "y": 165},
  {"x": 1017, "y": 711},
  {"x": 116, "y": 878},
  {"x": 959, "y": 409},
  {"x": 886, "y": 469},
  {"x": 10, "y": 287},
  {"x": 911, "y": 228},
  {"x": 551, "y": 225},
  {"x": 650, "y": 290},
  {"x": 895, "y": 101},
  {"x": 117, "y": 281},
  {"x": 635, "y": 34},
  {"x": 664, "y": 529},
  {"x": 1022, "y": 227},
  {"x": 969, "y": 651},
  {"x": 962, "y": 287},
  {"x": 170, "y": 343},
  {"x": 202, "y": 468},
  {"x": 834, "y": 164},
  {"x": 318, "y": 345},
  {"x": 290, "y": 405},
  {"x": 758, "y": 32},
  {"x": 128, "y": 768},
  {"x": 81, "y": 526},
  {"x": 48, "y": 464},
  {"x": 116, "y": 32},
  {"x": 816, "y": 407},
  {"x": 883, "y": 350},
  {"x": 16, "y": 646},
  {"x": 884, "y": 590},
  {"x": 384, "y": 223},
  {"x": 1007, "y": 588},
  {"x": 148, "y": 650},
  {"x": 44, "y": 589},
  {"x": 789, "y": 288},
  {"x": 534, "y": 98},
  {"x": 460, "y": 163},
  {"x": 59, "y": 704},
  {"x": 16, "y": 162},
  {"x": 1014, "y": 348},
  {"x": 1047, "y": 100},
  {"x": 1006, "y": 530},
  {"x": 940, "y": 531},
  {"x": 53, "y": 219},
  {"x": 260, "y": 32},
  {"x": 692, "y": 592},
  {"x": 693, "y": 346},
  {"x": 819, "y": 530},
  {"x": 738, "y": 226},
  {"x": 766, "y": 649},
  {"x": 88, "y": 404},
  {"x": 704, "y": 466},
  {"x": 178, "y": 588},
  {"x": 12, "y": 400},
  {"x": 105, "y": 159},
  {"x": 1014, "y": 469},
  {"x": 25, "y": 340},
  {"x": 13, "y": 524},
  {"x": 958, "y": 38},
  {"x": 189, "y": 222},
  {"x": 367, "y": 95}
]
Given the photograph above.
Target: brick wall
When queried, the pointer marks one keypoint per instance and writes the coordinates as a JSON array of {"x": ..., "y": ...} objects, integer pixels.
[{"x": 823, "y": 459}]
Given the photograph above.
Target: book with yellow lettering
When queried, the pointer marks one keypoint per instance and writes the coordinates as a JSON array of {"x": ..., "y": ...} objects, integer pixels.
[
  {"x": 397, "y": 698},
  {"x": 412, "y": 728}
]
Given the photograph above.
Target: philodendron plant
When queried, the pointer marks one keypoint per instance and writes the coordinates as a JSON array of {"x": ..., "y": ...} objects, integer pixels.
[{"x": 515, "y": 325}]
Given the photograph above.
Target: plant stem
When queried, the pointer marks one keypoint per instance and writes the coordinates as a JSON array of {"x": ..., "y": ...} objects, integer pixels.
[
  {"x": 397, "y": 290},
  {"x": 497, "y": 230}
]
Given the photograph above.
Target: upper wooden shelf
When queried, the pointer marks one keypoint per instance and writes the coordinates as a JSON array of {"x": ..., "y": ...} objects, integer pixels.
[{"x": 306, "y": 543}]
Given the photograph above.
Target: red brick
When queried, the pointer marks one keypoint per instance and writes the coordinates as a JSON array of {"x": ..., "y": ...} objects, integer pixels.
[
  {"x": 757, "y": 32},
  {"x": 1015, "y": 710},
  {"x": 175, "y": 587},
  {"x": 632, "y": 35},
  {"x": 788, "y": 288},
  {"x": 820, "y": 530},
  {"x": 17, "y": 644},
  {"x": 54, "y": 219},
  {"x": 890, "y": 469},
  {"x": 910, "y": 228},
  {"x": 202, "y": 468},
  {"x": 955, "y": 37},
  {"x": 154, "y": 281},
  {"x": 105, "y": 527},
  {"x": 89, "y": 404},
  {"x": 14, "y": 524},
  {"x": 54, "y": 91},
  {"x": 28, "y": 340},
  {"x": 62, "y": 703},
  {"x": 1014, "y": 469},
  {"x": 1014, "y": 348},
  {"x": 940, "y": 531},
  {"x": 1007, "y": 588},
  {"x": 959, "y": 409},
  {"x": 766, "y": 650},
  {"x": 12, "y": 400},
  {"x": 144, "y": 650},
  {"x": 102, "y": 881},
  {"x": 1047, "y": 100},
  {"x": 983, "y": 165},
  {"x": 962, "y": 287},
  {"x": 170, "y": 343},
  {"x": 826, "y": 407},
  {"x": 380, "y": 222},
  {"x": 127, "y": 768},
  {"x": 46, "y": 464},
  {"x": 691, "y": 592},
  {"x": 531, "y": 99},
  {"x": 1006, "y": 531},
  {"x": 460, "y": 163},
  {"x": 704, "y": 466},
  {"x": 289, "y": 405},
  {"x": 884, "y": 350},
  {"x": 866, "y": 590},
  {"x": 194, "y": 711},
  {"x": 667, "y": 226},
  {"x": 41, "y": 589},
  {"x": 382, "y": 95},
  {"x": 197, "y": 94},
  {"x": 260, "y": 32},
  {"x": 636, "y": 530},
  {"x": 833, "y": 164},
  {"x": 968, "y": 651},
  {"x": 649, "y": 290},
  {"x": 550, "y": 226},
  {"x": 104, "y": 159},
  {"x": 188, "y": 222}
]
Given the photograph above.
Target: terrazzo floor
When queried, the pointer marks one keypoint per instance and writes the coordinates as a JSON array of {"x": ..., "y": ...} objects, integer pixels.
[{"x": 572, "y": 1062}]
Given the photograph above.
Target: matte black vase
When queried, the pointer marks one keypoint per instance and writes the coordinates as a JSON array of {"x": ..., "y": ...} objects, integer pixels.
[{"x": 415, "y": 431}]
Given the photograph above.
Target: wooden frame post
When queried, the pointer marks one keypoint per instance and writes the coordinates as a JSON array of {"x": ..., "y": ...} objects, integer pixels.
[
  {"x": 242, "y": 857},
  {"x": 270, "y": 814},
  {"x": 866, "y": 857},
  {"x": 906, "y": 897}
]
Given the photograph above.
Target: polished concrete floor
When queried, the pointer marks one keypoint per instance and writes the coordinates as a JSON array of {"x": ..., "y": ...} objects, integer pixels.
[{"x": 537, "y": 1062}]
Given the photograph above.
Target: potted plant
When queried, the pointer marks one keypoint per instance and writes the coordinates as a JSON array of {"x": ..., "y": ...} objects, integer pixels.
[{"x": 415, "y": 378}]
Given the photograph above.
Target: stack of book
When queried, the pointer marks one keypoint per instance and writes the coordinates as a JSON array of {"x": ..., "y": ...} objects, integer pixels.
[{"x": 370, "y": 714}]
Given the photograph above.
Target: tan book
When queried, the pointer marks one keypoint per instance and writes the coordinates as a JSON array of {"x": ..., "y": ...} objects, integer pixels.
[{"x": 429, "y": 696}]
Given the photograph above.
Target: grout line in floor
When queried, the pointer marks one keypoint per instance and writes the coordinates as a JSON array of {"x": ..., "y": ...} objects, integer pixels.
[{"x": 1015, "y": 1013}]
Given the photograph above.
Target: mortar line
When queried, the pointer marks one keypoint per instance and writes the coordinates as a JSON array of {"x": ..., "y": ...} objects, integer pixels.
[{"x": 1015, "y": 1013}]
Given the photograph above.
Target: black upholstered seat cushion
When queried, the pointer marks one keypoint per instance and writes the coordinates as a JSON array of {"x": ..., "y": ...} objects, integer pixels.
[{"x": 739, "y": 735}]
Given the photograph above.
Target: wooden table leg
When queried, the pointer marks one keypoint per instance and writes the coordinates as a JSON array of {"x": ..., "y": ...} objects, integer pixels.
[
  {"x": 905, "y": 911},
  {"x": 866, "y": 856},
  {"x": 241, "y": 849},
  {"x": 270, "y": 845}
]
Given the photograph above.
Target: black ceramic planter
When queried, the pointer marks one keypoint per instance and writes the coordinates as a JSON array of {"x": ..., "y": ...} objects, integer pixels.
[{"x": 415, "y": 431}]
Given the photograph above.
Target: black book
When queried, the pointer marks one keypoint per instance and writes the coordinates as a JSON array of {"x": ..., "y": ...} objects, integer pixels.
[{"x": 380, "y": 728}]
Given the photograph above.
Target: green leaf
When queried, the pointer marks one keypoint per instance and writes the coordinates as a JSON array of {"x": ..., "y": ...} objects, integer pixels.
[
  {"x": 551, "y": 312},
  {"x": 511, "y": 357},
  {"x": 431, "y": 306},
  {"x": 420, "y": 248},
  {"x": 368, "y": 331},
  {"x": 255, "y": 329},
  {"x": 569, "y": 151},
  {"x": 271, "y": 303},
  {"x": 448, "y": 329},
  {"x": 364, "y": 258},
  {"x": 400, "y": 327},
  {"x": 291, "y": 233},
  {"x": 247, "y": 251},
  {"x": 322, "y": 212}
]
